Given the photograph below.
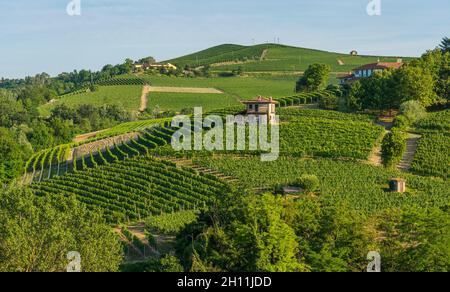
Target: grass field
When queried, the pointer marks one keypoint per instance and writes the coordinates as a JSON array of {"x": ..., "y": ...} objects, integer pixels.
[
  {"x": 126, "y": 96},
  {"x": 178, "y": 101},
  {"x": 241, "y": 87}
]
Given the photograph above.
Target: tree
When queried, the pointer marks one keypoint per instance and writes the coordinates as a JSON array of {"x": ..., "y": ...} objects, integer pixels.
[
  {"x": 36, "y": 234},
  {"x": 413, "y": 83},
  {"x": 445, "y": 45},
  {"x": 393, "y": 147},
  {"x": 148, "y": 60},
  {"x": 315, "y": 78},
  {"x": 249, "y": 235},
  {"x": 413, "y": 111},
  {"x": 12, "y": 156},
  {"x": 416, "y": 239}
]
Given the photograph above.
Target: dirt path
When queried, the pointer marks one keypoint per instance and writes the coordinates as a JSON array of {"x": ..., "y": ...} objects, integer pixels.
[
  {"x": 375, "y": 157},
  {"x": 84, "y": 137},
  {"x": 411, "y": 147},
  {"x": 144, "y": 98},
  {"x": 264, "y": 55}
]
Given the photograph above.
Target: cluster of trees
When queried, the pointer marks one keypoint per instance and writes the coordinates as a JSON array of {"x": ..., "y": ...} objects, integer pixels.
[
  {"x": 425, "y": 80},
  {"x": 23, "y": 131},
  {"x": 67, "y": 81},
  {"x": 315, "y": 78},
  {"x": 37, "y": 234},
  {"x": 268, "y": 233}
]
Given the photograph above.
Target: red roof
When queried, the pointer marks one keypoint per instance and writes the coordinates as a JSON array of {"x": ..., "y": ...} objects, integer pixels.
[
  {"x": 260, "y": 100},
  {"x": 380, "y": 65}
]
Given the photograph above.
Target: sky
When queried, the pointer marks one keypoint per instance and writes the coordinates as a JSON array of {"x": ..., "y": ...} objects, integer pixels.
[{"x": 40, "y": 36}]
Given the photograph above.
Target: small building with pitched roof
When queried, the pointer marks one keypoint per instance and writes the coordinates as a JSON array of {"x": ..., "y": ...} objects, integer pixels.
[{"x": 261, "y": 106}]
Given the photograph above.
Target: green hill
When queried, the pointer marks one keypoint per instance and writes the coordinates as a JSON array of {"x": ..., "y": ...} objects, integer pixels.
[{"x": 273, "y": 58}]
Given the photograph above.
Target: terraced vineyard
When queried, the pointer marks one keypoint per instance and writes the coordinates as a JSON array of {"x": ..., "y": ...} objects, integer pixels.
[
  {"x": 359, "y": 186},
  {"x": 135, "y": 188},
  {"x": 291, "y": 112},
  {"x": 433, "y": 155},
  {"x": 220, "y": 54}
]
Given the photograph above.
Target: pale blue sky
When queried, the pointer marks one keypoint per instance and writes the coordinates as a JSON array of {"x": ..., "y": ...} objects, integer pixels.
[{"x": 38, "y": 36}]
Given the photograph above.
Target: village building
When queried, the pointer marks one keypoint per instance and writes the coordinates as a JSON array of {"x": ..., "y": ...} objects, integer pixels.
[
  {"x": 368, "y": 71},
  {"x": 146, "y": 66},
  {"x": 262, "y": 107}
]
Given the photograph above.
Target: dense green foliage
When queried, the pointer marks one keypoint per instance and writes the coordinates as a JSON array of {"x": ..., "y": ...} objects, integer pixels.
[
  {"x": 171, "y": 223},
  {"x": 12, "y": 156},
  {"x": 393, "y": 147},
  {"x": 416, "y": 239},
  {"x": 315, "y": 78},
  {"x": 269, "y": 233},
  {"x": 36, "y": 235}
]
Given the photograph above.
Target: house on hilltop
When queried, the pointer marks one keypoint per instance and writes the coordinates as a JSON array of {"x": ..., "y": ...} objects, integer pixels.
[
  {"x": 147, "y": 66},
  {"x": 368, "y": 71},
  {"x": 260, "y": 107}
]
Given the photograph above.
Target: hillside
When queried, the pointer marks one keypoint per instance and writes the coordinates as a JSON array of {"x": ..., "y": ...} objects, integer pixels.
[{"x": 273, "y": 58}]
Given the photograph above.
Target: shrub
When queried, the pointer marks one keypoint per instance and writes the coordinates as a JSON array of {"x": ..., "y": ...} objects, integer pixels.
[
  {"x": 393, "y": 147},
  {"x": 413, "y": 110},
  {"x": 329, "y": 101},
  {"x": 309, "y": 183},
  {"x": 401, "y": 122}
]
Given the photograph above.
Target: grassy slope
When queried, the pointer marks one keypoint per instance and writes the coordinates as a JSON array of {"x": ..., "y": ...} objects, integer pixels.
[
  {"x": 278, "y": 58},
  {"x": 242, "y": 87},
  {"x": 178, "y": 101},
  {"x": 127, "y": 96}
]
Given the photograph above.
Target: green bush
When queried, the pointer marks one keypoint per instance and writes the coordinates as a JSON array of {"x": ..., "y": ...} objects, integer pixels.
[
  {"x": 309, "y": 183},
  {"x": 393, "y": 148},
  {"x": 401, "y": 122},
  {"x": 413, "y": 111}
]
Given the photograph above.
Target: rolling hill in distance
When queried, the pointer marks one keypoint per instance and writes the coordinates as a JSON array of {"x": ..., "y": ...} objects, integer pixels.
[{"x": 274, "y": 58}]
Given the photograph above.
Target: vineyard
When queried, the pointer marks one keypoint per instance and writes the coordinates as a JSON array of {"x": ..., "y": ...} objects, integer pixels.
[
  {"x": 280, "y": 58},
  {"x": 311, "y": 136},
  {"x": 220, "y": 54},
  {"x": 291, "y": 113},
  {"x": 135, "y": 188},
  {"x": 360, "y": 186},
  {"x": 304, "y": 98},
  {"x": 433, "y": 155},
  {"x": 171, "y": 223},
  {"x": 439, "y": 121}
]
